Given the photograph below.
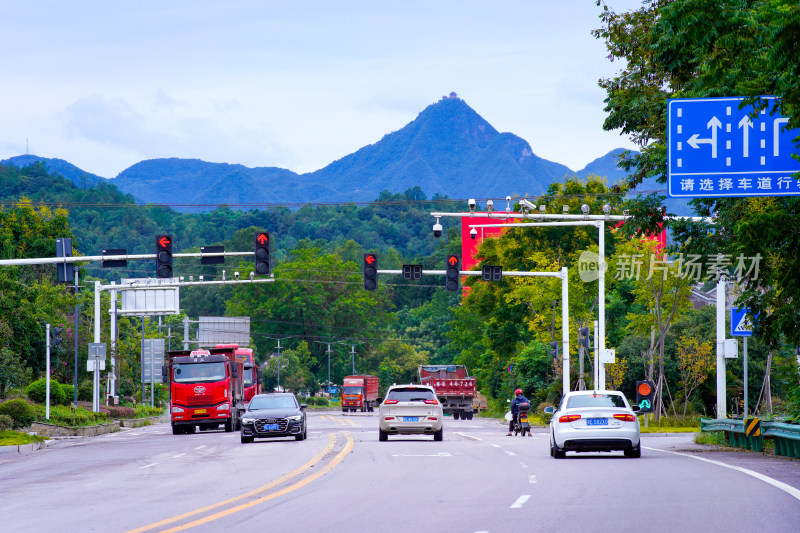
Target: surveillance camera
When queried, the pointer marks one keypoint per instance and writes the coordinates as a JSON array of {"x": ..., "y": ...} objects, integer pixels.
[
  {"x": 437, "y": 230},
  {"x": 489, "y": 205},
  {"x": 252, "y": 275},
  {"x": 472, "y": 204},
  {"x": 606, "y": 209},
  {"x": 236, "y": 275},
  {"x": 565, "y": 209},
  {"x": 525, "y": 204},
  {"x": 625, "y": 212},
  {"x": 473, "y": 233},
  {"x": 585, "y": 209}
]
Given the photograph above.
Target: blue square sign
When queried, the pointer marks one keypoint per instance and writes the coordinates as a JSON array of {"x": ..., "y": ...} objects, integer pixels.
[
  {"x": 715, "y": 149},
  {"x": 741, "y": 322}
]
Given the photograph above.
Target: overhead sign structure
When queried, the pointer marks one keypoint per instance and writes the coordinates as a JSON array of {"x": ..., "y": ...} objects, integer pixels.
[
  {"x": 716, "y": 149},
  {"x": 147, "y": 296},
  {"x": 152, "y": 359},
  {"x": 741, "y": 322}
]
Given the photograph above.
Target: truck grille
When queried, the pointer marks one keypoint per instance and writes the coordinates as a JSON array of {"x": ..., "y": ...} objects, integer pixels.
[
  {"x": 261, "y": 424},
  {"x": 201, "y": 399}
]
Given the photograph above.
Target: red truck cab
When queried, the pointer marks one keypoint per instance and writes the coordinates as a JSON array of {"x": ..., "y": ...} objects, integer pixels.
[
  {"x": 359, "y": 393},
  {"x": 454, "y": 388},
  {"x": 252, "y": 372},
  {"x": 206, "y": 389}
]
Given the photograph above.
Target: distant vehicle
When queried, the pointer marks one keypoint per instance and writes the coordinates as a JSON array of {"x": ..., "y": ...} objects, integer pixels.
[
  {"x": 409, "y": 410},
  {"x": 252, "y": 372},
  {"x": 454, "y": 388},
  {"x": 591, "y": 421},
  {"x": 206, "y": 389},
  {"x": 359, "y": 393},
  {"x": 274, "y": 415}
]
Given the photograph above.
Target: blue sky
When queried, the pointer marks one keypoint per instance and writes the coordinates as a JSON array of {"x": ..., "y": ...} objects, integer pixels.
[{"x": 292, "y": 84}]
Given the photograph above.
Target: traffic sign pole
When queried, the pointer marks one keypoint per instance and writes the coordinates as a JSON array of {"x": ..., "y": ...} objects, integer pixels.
[{"x": 745, "y": 377}]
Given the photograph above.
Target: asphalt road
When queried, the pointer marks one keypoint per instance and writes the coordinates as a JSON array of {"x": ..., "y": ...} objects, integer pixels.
[{"x": 342, "y": 479}]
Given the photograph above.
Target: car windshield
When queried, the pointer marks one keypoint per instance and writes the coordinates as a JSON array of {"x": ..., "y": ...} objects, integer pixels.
[
  {"x": 411, "y": 394},
  {"x": 199, "y": 372},
  {"x": 273, "y": 402},
  {"x": 351, "y": 390},
  {"x": 595, "y": 400},
  {"x": 248, "y": 377}
]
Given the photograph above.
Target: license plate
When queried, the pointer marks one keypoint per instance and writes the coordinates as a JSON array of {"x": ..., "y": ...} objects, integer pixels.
[
  {"x": 271, "y": 427},
  {"x": 199, "y": 411},
  {"x": 410, "y": 419},
  {"x": 597, "y": 421}
]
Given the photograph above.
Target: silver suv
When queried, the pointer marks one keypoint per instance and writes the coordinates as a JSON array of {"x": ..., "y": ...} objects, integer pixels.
[{"x": 410, "y": 410}]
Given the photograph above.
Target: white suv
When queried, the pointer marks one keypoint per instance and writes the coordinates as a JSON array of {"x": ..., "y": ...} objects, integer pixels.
[{"x": 409, "y": 410}]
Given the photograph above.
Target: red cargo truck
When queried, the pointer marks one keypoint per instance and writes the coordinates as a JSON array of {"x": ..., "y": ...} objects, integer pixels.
[
  {"x": 359, "y": 392},
  {"x": 454, "y": 388},
  {"x": 252, "y": 373},
  {"x": 206, "y": 388}
]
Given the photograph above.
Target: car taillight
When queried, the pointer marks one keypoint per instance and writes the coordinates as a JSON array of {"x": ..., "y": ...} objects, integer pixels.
[
  {"x": 432, "y": 402},
  {"x": 433, "y": 418},
  {"x": 569, "y": 418},
  {"x": 390, "y": 402},
  {"x": 388, "y": 418},
  {"x": 625, "y": 418}
]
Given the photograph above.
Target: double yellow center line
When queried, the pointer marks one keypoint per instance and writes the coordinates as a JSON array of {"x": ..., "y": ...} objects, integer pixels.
[{"x": 348, "y": 447}]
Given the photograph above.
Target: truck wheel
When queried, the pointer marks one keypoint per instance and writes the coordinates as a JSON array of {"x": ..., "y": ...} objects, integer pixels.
[
  {"x": 190, "y": 430},
  {"x": 176, "y": 430},
  {"x": 469, "y": 415},
  {"x": 229, "y": 425},
  {"x": 438, "y": 435},
  {"x": 382, "y": 435},
  {"x": 455, "y": 415}
]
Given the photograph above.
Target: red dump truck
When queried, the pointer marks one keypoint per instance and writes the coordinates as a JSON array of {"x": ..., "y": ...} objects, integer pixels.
[
  {"x": 206, "y": 388},
  {"x": 359, "y": 392},
  {"x": 453, "y": 386},
  {"x": 252, "y": 373}
]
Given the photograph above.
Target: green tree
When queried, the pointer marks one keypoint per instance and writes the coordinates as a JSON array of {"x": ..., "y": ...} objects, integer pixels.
[{"x": 695, "y": 360}]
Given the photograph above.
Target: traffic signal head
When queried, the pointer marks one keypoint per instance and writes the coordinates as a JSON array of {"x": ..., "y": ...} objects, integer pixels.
[
  {"x": 583, "y": 336},
  {"x": 55, "y": 333},
  {"x": 492, "y": 273},
  {"x": 554, "y": 349},
  {"x": 163, "y": 256},
  {"x": 263, "y": 265},
  {"x": 452, "y": 271},
  {"x": 371, "y": 272},
  {"x": 645, "y": 395}
]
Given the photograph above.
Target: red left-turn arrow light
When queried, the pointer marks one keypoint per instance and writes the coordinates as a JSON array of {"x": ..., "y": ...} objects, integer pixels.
[
  {"x": 164, "y": 241},
  {"x": 370, "y": 258}
]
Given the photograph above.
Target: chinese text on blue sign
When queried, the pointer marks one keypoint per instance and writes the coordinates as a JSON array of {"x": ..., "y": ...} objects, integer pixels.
[{"x": 717, "y": 149}]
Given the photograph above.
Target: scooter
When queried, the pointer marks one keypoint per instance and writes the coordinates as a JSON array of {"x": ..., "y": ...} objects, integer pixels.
[{"x": 522, "y": 425}]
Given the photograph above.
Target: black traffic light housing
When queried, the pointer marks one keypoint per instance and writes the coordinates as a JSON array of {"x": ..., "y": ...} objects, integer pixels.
[
  {"x": 163, "y": 256},
  {"x": 492, "y": 273},
  {"x": 451, "y": 273},
  {"x": 554, "y": 349},
  {"x": 55, "y": 336},
  {"x": 583, "y": 337},
  {"x": 64, "y": 271},
  {"x": 263, "y": 261},
  {"x": 645, "y": 395},
  {"x": 371, "y": 272}
]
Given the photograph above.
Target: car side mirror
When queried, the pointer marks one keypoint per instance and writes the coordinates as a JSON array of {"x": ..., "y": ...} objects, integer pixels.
[
  {"x": 549, "y": 410},
  {"x": 635, "y": 408},
  {"x": 303, "y": 406},
  {"x": 165, "y": 373}
]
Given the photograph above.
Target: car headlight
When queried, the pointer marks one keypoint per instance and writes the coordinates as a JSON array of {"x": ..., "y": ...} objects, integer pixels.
[
  {"x": 177, "y": 409},
  {"x": 295, "y": 418},
  {"x": 247, "y": 420},
  {"x": 223, "y": 407}
]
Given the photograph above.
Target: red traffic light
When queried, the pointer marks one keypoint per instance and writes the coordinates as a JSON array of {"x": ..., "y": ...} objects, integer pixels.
[
  {"x": 370, "y": 259},
  {"x": 262, "y": 238},
  {"x": 644, "y": 388},
  {"x": 164, "y": 241}
]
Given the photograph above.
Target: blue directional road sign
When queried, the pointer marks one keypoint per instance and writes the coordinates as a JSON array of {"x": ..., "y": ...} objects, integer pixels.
[
  {"x": 716, "y": 149},
  {"x": 741, "y": 322}
]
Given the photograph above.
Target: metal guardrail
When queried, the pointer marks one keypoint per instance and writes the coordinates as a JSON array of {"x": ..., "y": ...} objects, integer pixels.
[
  {"x": 787, "y": 437},
  {"x": 734, "y": 432}
]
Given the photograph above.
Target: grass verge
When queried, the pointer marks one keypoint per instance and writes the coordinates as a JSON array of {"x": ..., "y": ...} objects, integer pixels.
[{"x": 10, "y": 438}]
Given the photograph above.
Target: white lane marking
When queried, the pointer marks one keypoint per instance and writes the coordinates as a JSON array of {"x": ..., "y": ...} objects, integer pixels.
[
  {"x": 766, "y": 479},
  {"x": 469, "y": 436},
  {"x": 523, "y": 465},
  {"x": 178, "y": 455},
  {"x": 509, "y": 453},
  {"x": 148, "y": 466},
  {"x": 200, "y": 447},
  {"x": 531, "y": 479},
  {"x": 92, "y": 483},
  {"x": 230, "y": 436},
  {"x": 440, "y": 454},
  {"x": 520, "y": 501},
  {"x": 496, "y": 445}
]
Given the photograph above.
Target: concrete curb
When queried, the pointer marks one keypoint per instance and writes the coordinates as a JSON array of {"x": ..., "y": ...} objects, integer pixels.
[
  {"x": 137, "y": 422},
  {"x": 23, "y": 448},
  {"x": 51, "y": 430}
]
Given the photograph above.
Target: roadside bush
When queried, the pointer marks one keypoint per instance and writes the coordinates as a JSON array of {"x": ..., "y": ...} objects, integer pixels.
[
  {"x": 317, "y": 401},
  {"x": 144, "y": 411},
  {"x": 6, "y": 422},
  {"x": 37, "y": 392},
  {"x": 85, "y": 391},
  {"x": 69, "y": 393},
  {"x": 21, "y": 412},
  {"x": 61, "y": 415},
  {"x": 119, "y": 411}
]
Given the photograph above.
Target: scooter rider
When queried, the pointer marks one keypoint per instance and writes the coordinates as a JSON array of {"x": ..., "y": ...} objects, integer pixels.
[{"x": 515, "y": 409}]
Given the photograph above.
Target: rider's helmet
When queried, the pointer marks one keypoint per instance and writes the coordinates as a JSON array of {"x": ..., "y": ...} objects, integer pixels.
[{"x": 518, "y": 392}]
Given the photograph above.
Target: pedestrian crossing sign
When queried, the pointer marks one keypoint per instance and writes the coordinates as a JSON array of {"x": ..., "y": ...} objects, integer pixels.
[{"x": 741, "y": 322}]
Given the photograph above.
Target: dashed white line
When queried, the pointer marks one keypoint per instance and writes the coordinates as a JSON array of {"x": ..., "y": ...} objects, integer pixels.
[
  {"x": 200, "y": 447},
  {"x": 531, "y": 479},
  {"x": 496, "y": 445},
  {"x": 92, "y": 483},
  {"x": 148, "y": 466},
  {"x": 469, "y": 436},
  {"x": 521, "y": 501},
  {"x": 178, "y": 455},
  {"x": 523, "y": 465},
  {"x": 510, "y": 452}
]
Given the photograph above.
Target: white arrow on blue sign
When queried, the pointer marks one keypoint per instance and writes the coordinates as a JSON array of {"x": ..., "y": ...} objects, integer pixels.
[
  {"x": 741, "y": 322},
  {"x": 716, "y": 149}
]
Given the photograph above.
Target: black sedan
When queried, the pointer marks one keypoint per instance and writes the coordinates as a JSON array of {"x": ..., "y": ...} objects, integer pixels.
[{"x": 274, "y": 415}]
